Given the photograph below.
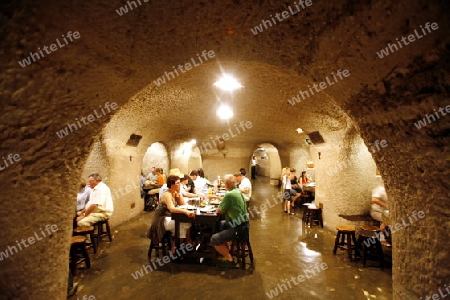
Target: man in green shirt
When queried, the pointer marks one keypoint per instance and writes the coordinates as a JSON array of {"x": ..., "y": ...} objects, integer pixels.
[{"x": 233, "y": 208}]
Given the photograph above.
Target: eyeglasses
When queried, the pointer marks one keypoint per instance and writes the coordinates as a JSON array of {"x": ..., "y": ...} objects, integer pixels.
[{"x": 178, "y": 182}]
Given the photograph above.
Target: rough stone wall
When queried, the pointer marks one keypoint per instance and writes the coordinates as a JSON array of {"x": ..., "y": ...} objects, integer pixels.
[
  {"x": 96, "y": 162},
  {"x": 410, "y": 168},
  {"x": 119, "y": 56},
  {"x": 345, "y": 177}
]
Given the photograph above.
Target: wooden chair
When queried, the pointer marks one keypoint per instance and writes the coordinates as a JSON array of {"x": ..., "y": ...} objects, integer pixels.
[{"x": 164, "y": 245}]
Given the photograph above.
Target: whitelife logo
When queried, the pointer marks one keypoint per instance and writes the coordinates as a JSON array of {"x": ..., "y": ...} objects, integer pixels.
[
  {"x": 162, "y": 80},
  {"x": 352, "y": 160},
  {"x": 411, "y": 38},
  {"x": 319, "y": 267},
  {"x": 397, "y": 227},
  {"x": 35, "y": 56},
  {"x": 323, "y": 85},
  {"x": 285, "y": 14},
  {"x": 31, "y": 240},
  {"x": 428, "y": 118},
  {"x": 225, "y": 137},
  {"x": 10, "y": 158},
  {"x": 90, "y": 118},
  {"x": 124, "y": 9}
]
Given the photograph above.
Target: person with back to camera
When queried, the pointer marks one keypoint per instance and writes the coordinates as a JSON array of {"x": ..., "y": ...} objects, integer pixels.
[
  {"x": 294, "y": 185},
  {"x": 378, "y": 207},
  {"x": 233, "y": 208},
  {"x": 288, "y": 192}
]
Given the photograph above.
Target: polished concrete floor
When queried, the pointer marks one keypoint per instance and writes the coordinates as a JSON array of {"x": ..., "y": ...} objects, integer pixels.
[{"x": 284, "y": 250}]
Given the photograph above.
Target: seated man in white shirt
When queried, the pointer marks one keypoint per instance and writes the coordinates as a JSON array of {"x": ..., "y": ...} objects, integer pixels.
[
  {"x": 100, "y": 206},
  {"x": 244, "y": 185}
]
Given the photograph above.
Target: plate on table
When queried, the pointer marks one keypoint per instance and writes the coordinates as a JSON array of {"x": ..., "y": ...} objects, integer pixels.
[
  {"x": 214, "y": 202},
  {"x": 207, "y": 209}
]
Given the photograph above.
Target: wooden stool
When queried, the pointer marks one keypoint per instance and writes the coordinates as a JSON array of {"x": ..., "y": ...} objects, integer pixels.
[
  {"x": 100, "y": 233},
  {"x": 304, "y": 198},
  {"x": 84, "y": 230},
  {"x": 349, "y": 233},
  {"x": 78, "y": 243},
  {"x": 369, "y": 240},
  {"x": 164, "y": 245},
  {"x": 243, "y": 247},
  {"x": 312, "y": 214},
  {"x": 151, "y": 199}
]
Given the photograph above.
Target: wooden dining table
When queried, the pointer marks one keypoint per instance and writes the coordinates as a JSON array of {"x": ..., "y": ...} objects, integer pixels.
[{"x": 210, "y": 219}]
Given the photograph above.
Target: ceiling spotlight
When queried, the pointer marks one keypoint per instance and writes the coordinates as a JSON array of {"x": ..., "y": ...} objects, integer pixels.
[
  {"x": 227, "y": 83},
  {"x": 224, "y": 112},
  {"x": 299, "y": 130}
]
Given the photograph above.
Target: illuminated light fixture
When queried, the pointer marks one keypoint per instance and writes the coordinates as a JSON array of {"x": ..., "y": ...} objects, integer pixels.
[
  {"x": 224, "y": 112},
  {"x": 310, "y": 164},
  {"x": 193, "y": 142},
  {"x": 228, "y": 83},
  {"x": 299, "y": 130}
]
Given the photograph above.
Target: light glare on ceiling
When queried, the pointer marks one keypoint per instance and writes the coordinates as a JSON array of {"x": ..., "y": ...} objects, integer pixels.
[
  {"x": 228, "y": 83},
  {"x": 224, "y": 112}
]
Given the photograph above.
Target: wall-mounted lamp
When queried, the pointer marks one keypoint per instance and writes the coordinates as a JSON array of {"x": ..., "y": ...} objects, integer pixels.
[
  {"x": 131, "y": 158},
  {"x": 224, "y": 152},
  {"x": 319, "y": 154},
  {"x": 310, "y": 164}
]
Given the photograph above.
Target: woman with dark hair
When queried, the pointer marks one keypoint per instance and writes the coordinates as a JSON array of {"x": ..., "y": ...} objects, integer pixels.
[
  {"x": 294, "y": 181},
  {"x": 201, "y": 184},
  {"x": 168, "y": 203},
  {"x": 187, "y": 187},
  {"x": 304, "y": 179},
  {"x": 201, "y": 173}
]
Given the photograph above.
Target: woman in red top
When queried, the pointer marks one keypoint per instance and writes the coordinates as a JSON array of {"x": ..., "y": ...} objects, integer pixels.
[{"x": 303, "y": 178}]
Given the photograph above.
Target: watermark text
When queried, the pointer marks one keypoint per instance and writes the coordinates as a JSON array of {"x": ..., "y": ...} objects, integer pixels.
[
  {"x": 319, "y": 87},
  {"x": 53, "y": 47},
  {"x": 86, "y": 120},
  {"x": 31, "y": 240}
]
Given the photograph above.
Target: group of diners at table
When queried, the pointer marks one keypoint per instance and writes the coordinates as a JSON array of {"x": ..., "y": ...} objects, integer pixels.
[
  {"x": 195, "y": 197},
  {"x": 292, "y": 187}
]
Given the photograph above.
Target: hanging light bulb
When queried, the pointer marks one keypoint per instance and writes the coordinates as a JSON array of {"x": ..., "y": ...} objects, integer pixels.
[
  {"x": 224, "y": 112},
  {"x": 228, "y": 83}
]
